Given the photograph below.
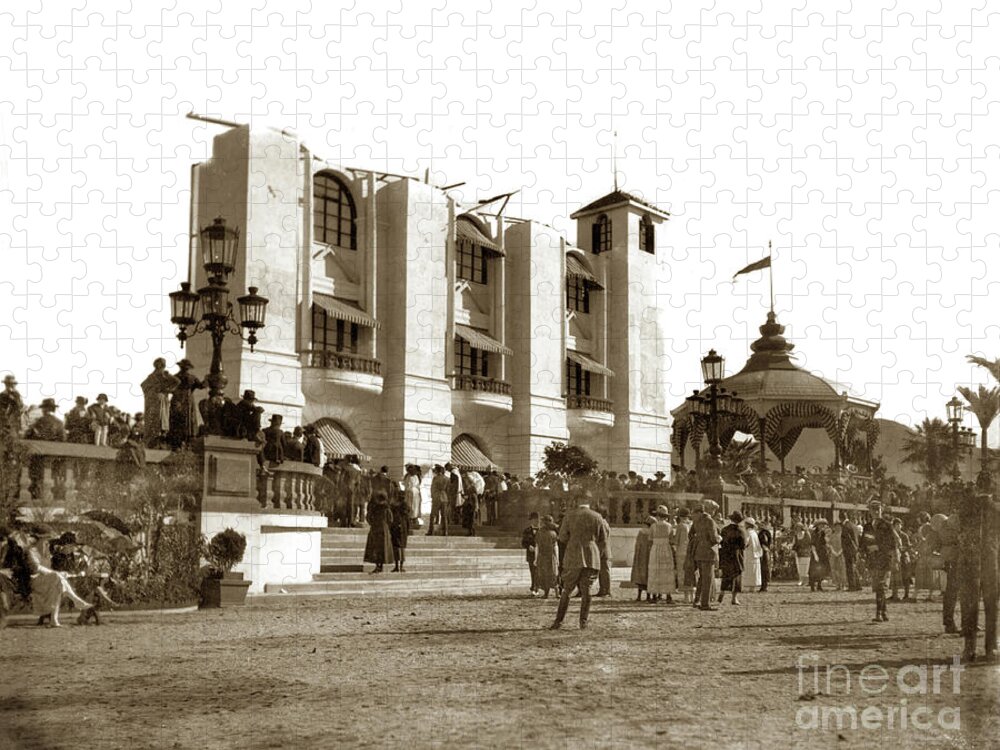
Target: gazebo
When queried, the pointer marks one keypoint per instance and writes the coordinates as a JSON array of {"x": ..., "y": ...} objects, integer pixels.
[{"x": 779, "y": 400}]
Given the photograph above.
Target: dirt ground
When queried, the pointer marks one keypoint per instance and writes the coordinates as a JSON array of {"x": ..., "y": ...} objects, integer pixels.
[{"x": 438, "y": 672}]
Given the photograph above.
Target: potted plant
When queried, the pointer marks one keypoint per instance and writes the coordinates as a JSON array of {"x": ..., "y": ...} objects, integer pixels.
[{"x": 221, "y": 587}]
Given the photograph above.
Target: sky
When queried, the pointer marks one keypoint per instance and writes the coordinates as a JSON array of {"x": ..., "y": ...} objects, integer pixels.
[{"x": 861, "y": 142}]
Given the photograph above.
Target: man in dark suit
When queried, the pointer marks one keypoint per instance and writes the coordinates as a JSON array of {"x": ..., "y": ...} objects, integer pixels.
[
  {"x": 704, "y": 551},
  {"x": 766, "y": 538},
  {"x": 582, "y": 535}
]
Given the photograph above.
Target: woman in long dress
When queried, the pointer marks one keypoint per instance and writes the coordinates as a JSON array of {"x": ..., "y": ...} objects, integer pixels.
[
  {"x": 49, "y": 587},
  {"x": 661, "y": 579},
  {"x": 547, "y": 556},
  {"x": 399, "y": 530},
  {"x": 731, "y": 557},
  {"x": 378, "y": 547},
  {"x": 803, "y": 548},
  {"x": 682, "y": 532},
  {"x": 838, "y": 566},
  {"x": 411, "y": 485},
  {"x": 819, "y": 565},
  {"x": 752, "y": 554},
  {"x": 640, "y": 558}
]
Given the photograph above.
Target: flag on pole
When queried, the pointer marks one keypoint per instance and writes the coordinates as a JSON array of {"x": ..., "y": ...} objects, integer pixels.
[{"x": 755, "y": 266}]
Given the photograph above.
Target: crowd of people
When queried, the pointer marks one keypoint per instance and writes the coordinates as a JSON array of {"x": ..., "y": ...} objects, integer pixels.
[{"x": 700, "y": 558}]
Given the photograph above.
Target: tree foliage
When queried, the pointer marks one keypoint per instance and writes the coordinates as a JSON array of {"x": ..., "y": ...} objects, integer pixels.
[
  {"x": 931, "y": 449},
  {"x": 566, "y": 463}
]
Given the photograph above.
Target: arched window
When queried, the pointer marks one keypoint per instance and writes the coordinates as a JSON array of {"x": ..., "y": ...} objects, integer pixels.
[
  {"x": 600, "y": 234},
  {"x": 334, "y": 216},
  {"x": 647, "y": 234}
]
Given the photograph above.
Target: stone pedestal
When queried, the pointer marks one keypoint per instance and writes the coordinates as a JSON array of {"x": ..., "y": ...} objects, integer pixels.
[{"x": 283, "y": 545}]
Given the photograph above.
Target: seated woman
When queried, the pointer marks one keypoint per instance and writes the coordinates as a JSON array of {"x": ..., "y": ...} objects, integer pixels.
[{"x": 48, "y": 586}]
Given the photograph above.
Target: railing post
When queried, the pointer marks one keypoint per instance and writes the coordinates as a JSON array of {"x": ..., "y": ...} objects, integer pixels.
[
  {"x": 47, "y": 482},
  {"x": 24, "y": 484},
  {"x": 71, "y": 481}
]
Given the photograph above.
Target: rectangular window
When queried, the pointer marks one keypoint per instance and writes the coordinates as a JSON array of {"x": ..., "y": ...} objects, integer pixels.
[
  {"x": 472, "y": 262},
  {"x": 471, "y": 361},
  {"x": 577, "y": 295},
  {"x": 577, "y": 379},
  {"x": 347, "y": 337}
]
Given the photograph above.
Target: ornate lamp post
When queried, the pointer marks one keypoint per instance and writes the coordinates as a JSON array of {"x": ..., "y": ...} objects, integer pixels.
[
  {"x": 713, "y": 368},
  {"x": 954, "y": 409},
  {"x": 219, "y": 246}
]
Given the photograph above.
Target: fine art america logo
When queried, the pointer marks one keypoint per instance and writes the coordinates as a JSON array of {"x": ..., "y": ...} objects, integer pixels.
[{"x": 911, "y": 711}]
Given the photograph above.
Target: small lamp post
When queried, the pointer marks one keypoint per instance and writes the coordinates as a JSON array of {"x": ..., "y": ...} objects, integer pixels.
[{"x": 219, "y": 246}]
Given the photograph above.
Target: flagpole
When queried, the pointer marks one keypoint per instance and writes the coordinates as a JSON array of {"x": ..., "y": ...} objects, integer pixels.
[{"x": 770, "y": 272}]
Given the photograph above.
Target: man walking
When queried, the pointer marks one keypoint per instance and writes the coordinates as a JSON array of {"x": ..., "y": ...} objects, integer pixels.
[
  {"x": 704, "y": 551},
  {"x": 581, "y": 534},
  {"x": 882, "y": 545}
]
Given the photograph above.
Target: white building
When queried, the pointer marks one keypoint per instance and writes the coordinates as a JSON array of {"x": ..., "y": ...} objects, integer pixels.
[{"x": 413, "y": 327}]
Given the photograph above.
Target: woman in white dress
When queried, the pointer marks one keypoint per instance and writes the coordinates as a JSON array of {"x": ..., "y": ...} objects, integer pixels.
[
  {"x": 49, "y": 587},
  {"x": 411, "y": 486},
  {"x": 752, "y": 553},
  {"x": 661, "y": 580}
]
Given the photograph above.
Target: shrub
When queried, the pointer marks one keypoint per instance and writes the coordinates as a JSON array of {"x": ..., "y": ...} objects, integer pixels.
[{"x": 226, "y": 550}]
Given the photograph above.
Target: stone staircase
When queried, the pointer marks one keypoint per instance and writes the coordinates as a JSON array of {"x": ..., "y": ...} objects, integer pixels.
[{"x": 459, "y": 565}]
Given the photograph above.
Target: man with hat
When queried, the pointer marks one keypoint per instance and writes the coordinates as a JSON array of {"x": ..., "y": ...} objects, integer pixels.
[
  {"x": 78, "y": 422},
  {"x": 48, "y": 426},
  {"x": 247, "y": 416},
  {"x": 702, "y": 547},
  {"x": 274, "y": 450},
  {"x": 881, "y": 546},
  {"x": 11, "y": 406},
  {"x": 314, "y": 453},
  {"x": 581, "y": 535},
  {"x": 100, "y": 419},
  {"x": 183, "y": 414}
]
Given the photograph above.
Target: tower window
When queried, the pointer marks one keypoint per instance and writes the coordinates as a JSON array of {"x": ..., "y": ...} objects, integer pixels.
[
  {"x": 334, "y": 216},
  {"x": 647, "y": 235},
  {"x": 472, "y": 262},
  {"x": 331, "y": 334},
  {"x": 577, "y": 295},
  {"x": 469, "y": 360},
  {"x": 577, "y": 379},
  {"x": 600, "y": 234}
]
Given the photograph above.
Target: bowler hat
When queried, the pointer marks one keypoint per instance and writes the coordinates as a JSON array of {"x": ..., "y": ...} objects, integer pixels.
[
  {"x": 102, "y": 397},
  {"x": 249, "y": 395},
  {"x": 81, "y": 399},
  {"x": 735, "y": 516}
]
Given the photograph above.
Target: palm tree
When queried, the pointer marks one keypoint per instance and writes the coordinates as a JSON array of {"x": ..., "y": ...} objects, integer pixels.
[
  {"x": 931, "y": 448},
  {"x": 993, "y": 365},
  {"x": 985, "y": 404}
]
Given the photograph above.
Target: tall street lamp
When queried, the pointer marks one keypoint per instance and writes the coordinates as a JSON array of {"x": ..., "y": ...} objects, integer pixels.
[
  {"x": 219, "y": 246},
  {"x": 713, "y": 368},
  {"x": 954, "y": 409}
]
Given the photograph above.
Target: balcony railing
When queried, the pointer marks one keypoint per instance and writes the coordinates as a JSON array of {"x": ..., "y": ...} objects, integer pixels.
[
  {"x": 289, "y": 486},
  {"x": 342, "y": 361},
  {"x": 479, "y": 383},
  {"x": 579, "y": 401}
]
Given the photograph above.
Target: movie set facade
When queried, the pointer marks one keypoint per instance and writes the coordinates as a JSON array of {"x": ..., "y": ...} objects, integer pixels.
[{"x": 414, "y": 329}]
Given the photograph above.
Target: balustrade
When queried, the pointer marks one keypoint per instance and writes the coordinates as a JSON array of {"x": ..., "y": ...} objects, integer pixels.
[
  {"x": 466, "y": 382},
  {"x": 333, "y": 360},
  {"x": 288, "y": 486},
  {"x": 579, "y": 401}
]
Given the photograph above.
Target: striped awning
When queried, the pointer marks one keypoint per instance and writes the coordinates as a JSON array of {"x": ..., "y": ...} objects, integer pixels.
[
  {"x": 588, "y": 364},
  {"x": 480, "y": 340},
  {"x": 347, "y": 311},
  {"x": 467, "y": 230},
  {"x": 336, "y": 442},
  {"x": 468, "y": 456},
  {"x": 576, "y": 270}
]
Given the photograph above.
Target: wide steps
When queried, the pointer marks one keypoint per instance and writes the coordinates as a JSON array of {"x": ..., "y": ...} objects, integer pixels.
[
  {"x": 354, "y": 584},
  {"x": 418, "y": 564}
]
